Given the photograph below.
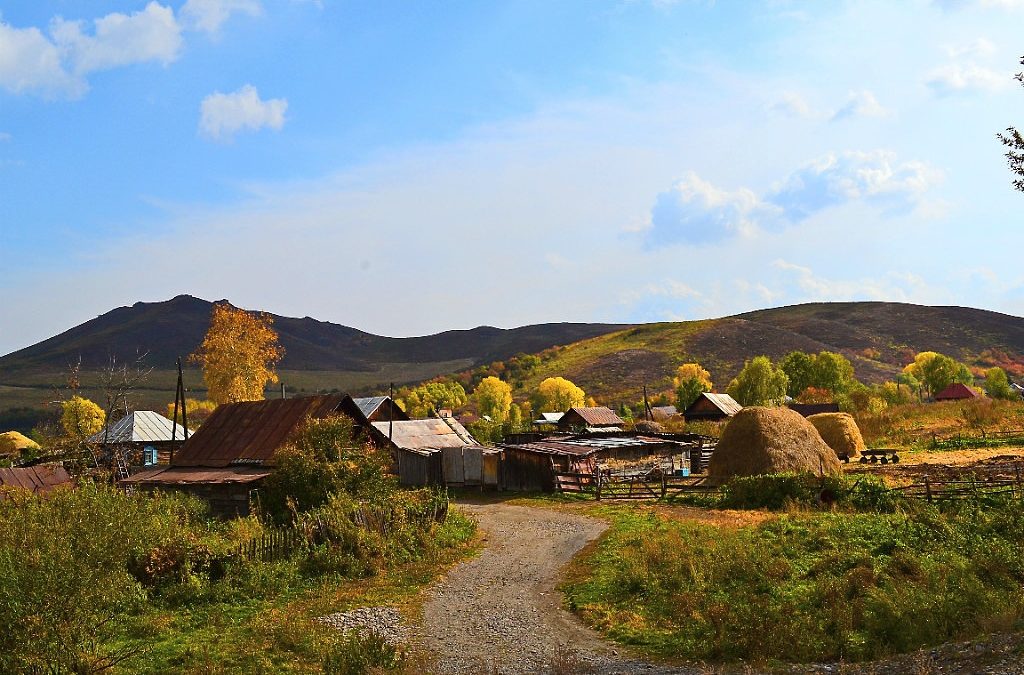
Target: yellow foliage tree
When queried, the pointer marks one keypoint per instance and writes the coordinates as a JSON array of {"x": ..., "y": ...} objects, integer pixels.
[
  {"x": 81, "y": 418},
  {"x": 197, "y": 411},
  {"x": 689, "y": 382},
  {"x": 238, "y": 355},
  {"x": 557, "y": 394},
  {"x": 493, "y": 398}
]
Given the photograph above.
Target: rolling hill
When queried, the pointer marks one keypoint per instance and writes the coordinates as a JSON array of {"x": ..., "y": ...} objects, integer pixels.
[
  {"x": 878, "y": 337},
  {"x": 611, "y": 362}
]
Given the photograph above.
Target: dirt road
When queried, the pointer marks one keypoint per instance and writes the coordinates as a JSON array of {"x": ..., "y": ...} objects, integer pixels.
[{"x": 501, "y": 611}]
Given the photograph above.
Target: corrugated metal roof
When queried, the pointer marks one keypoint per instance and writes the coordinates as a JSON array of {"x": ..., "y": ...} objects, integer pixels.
[
  {"x": 596, "y": 417},
  {"x": 250, "y": 432},
  {"x": 141, "y": 426},
  {"x": 426, "y": 434},
  {"x": 369, "y": 405},
  {"x": 548, "y": 418},
  {"x": 36, "y": 479},
  {"x": 185, "y": 476},
  {"x": 727, "y": 404},
  {"x": 586, "y": 446}
]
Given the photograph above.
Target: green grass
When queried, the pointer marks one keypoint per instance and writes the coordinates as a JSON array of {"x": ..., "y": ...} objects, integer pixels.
[{"x": 802, "y": 586}]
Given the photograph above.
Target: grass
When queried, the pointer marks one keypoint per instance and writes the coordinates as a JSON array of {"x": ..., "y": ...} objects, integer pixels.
[
  {"x": 913, "y": 426},
  {"x": 800, "y": 586}
]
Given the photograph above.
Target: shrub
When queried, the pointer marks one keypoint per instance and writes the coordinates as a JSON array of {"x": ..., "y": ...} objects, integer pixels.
[
  {"x": 778, "y": 491},
  {"x": 359, "y": 653}
]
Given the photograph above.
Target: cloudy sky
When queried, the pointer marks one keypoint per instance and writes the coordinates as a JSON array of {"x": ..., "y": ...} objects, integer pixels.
[{"x": 409, "y": 167}]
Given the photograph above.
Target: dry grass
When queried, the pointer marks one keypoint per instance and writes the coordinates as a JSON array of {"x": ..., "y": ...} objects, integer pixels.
[
  {"x": 840, "y": 432},
  {"x": 771, "y": 440}
]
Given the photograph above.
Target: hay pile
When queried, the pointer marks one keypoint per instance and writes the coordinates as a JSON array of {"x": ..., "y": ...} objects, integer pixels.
[
  {"x": 770, "y": 440},
  {"x": 13, "y": 441},
  {"x": 840, "y": 432}
]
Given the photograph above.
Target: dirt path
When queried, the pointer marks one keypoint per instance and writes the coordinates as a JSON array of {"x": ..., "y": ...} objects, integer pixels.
[{"x": 501, "y": 611}]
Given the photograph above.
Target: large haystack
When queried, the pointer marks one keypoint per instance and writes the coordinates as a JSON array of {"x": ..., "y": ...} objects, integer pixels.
[
  {"x": 840, "y": 432},
  {"x": 770, "y": 440},
  {"x": 13, "y": 441}
]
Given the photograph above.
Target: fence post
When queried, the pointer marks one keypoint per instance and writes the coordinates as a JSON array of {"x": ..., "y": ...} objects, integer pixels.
[
  {"x": 664, "y": 485},
  {"x": 928, "y": 489},
  {"x": 597, "y": 482}
]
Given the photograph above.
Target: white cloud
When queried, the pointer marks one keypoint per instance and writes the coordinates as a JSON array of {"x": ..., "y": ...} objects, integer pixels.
[
  {"x": 210, "y": 15},
  {"x": 873, "y": 177},
  {"x": 961, "y": 79},
  {"x": 152, "y": 34},
  {"x": 860, "y": 104},
  {"x": 696, "y": 212},
  {"x": 4, "y": 137},
  {"x": 979, "y": 47},
  {"x": 791, "y": 104},
  {"x": 224, "y": 115},
  {"x": 29, "y": 62},
  {"x": 891, "y": 286},
  {"x": 983, "y": 4}
]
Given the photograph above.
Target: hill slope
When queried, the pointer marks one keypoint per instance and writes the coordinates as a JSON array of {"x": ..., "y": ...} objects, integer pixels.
[
  {"x": 878, "y": 337},
  {"x": 166, "y": 330}
]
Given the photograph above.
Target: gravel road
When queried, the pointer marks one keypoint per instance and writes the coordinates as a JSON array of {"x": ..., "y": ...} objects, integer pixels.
[{"x": 501, "y": 612}]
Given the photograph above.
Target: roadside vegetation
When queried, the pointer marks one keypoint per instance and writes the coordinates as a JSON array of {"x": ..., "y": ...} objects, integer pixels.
[{"x": 863, "y": 578}]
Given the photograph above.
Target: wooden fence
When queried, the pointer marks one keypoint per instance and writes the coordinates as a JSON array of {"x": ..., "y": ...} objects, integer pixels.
[
  {"x": 604, "y": 486},
  {"x": 965, "y": 489},
  {"x": 986, "y": 439}
]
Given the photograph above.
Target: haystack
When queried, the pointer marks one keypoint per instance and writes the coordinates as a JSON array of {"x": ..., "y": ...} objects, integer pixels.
[
  {"x": 840, "y": 432},
  {"x": 13, "y": 441},
  {"x": 770, "y": 440}
]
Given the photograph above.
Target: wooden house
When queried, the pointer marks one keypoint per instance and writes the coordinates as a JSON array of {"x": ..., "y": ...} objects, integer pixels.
[
  {"x": 226, "y": 459},
  {"x": 144, "y": 438},
  {"x": 713, "y": 407},
  {"x": 808, "y": 409},
  {"x": 437, "y": 451},
  {"x": 590, "y": 419},
  {"x": 39, "y": 480}
]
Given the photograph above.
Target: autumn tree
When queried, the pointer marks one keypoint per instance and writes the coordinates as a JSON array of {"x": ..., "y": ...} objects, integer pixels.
[
  {"x": 937, "y": 371},
  {"x": 1014, "y": 142},
  {"x": 426, "y": 399},
  {"x": 799, "y": 368},
  {"x": 196, "y": 411},
  {"x": 239, "y": 354},
  {"x": 493, "y": 399},
  {"x": 81, "y": 418},
  {"x": 689, "y": 382},
  {"x": 997, "y": 385},
  {"x": 759, "y": 383},
  {"x": 557, "y": 394},
  {"x": 825, "y": 370}
]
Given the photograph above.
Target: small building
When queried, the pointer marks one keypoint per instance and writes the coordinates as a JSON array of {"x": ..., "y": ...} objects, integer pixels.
[
  {"x": 372, "y": 409},
  {"x": 712, "y": 407},
  {"x": 808, "y": 409},
  {"x": 229, "y": 456},
  {"x": 956, "y": 392},
  {"x": 590, "y": 419},
  {"x": 660, "y": 413},
  {"x": 39, "y": 480},
  {"x": 143, "y": 437},
  {"x": 548, "y": 419},
  {"x": 438, "y": 451}
]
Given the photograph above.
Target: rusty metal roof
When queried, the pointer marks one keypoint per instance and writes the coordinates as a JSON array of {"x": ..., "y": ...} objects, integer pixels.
[
  {"x": 36, "y": 479},
  {"x": 141, "y": 426},
  {"x": 956, "y": 392},
  {"x": 186, "y": 476},
  {"x": 594, "y": 417},
  {"x": 250, "y": 432},
  {"x": 426, "y": 434},
  {"x": 581, "y": 447}
]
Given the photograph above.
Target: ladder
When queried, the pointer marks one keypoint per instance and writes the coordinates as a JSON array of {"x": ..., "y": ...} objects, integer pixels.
[{"x": 120, "y": 466}]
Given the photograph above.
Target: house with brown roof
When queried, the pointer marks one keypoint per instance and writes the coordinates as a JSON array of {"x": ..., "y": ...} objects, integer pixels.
[
  {"x": 956, "y": 392},
  {"x": 590, "y": 419},
  {"x": 39, "y": 480},
  {"x": 712, "y": 407},
  {"x": 233, "y": 451}
]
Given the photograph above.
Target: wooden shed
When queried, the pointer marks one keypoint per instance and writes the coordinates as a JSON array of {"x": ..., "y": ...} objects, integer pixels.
[
  {"x": 590, "y": 419},
  {"x": 39, "y": 480},
  {"x": 714, "y": 407}
]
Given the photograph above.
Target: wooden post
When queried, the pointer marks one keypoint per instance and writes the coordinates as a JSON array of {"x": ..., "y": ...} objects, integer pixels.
[
  {"x": 664, "y": 485},
  {"x": 928, "y": 489},
  {"x": 597, "y": 482}
]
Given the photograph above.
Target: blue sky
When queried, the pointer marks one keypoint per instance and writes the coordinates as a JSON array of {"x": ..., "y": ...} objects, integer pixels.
[{"x": 504, "y": 163}]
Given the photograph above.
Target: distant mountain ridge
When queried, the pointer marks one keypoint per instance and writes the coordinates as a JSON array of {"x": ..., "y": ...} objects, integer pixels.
[{"x": 165, "y": 330}]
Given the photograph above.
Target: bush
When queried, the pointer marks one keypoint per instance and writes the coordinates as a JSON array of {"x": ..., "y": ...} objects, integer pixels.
[
  {"x": 778, "y": 491},
  {"x": 361, "y": 653}
]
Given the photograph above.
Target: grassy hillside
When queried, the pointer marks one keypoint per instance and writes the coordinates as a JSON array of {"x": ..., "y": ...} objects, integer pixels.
[{"x": 878, "y": 338}]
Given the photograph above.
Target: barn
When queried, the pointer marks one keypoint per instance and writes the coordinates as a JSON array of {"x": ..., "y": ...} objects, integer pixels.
[
  {"x": 590, "y": 419},
  {"x": 712, "y": 407}
]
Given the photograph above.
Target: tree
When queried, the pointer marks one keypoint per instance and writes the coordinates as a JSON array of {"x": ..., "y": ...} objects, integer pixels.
[
  {"x": 937, "y": 371},
  {"x": 514, "y": 423},
  {"x": 238, "y": 354},
  {"x": 799, "y": 368},
  {"x": 1014, "y": 141},
  {"x": 81, "y": 418},
  {"x": 997, "y": 385},
  {"x": 690, "y": 381},
  {"x": 832, "y": 371},
  {"x": 426, "y": 399},
  {"x": 557, "y": 394},
  {"x": 197, "y": 411},
  {"x": 759, "y": 383},
  {"x": 493, "y": 399}
]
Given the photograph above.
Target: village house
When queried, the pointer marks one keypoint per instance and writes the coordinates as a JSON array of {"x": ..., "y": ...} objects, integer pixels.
[
  {"x": 141, "y": 438},
  {"x": 712, "y": 407},
  {"x": 590, "y": 419},
  {"x": 437, "y": 451},
  {"x": 39, "y": 480},
  {"x": 956, "y": 392}
]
